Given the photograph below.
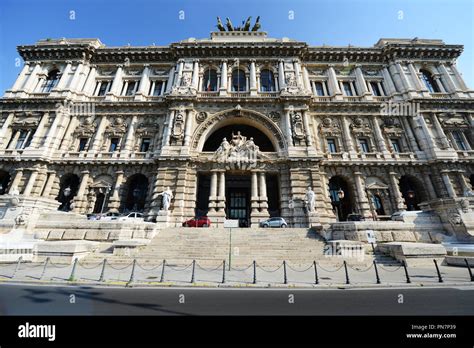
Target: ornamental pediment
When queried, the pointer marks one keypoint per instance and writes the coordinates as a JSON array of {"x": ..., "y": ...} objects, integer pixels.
[
  {"x": 360, "y": 127},
  {"x": 329, "y": 127},
  {"x": 455, "y": 121},
  {"x": 28, "y": 122}
]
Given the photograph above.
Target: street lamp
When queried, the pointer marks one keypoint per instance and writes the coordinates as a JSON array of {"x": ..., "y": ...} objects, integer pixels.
[
  {"x": 411, "y": 195},
  {"x": 66, "y": 193},
  {"x": 340, "y": 195},
  {"x": 107, "y": 190}
]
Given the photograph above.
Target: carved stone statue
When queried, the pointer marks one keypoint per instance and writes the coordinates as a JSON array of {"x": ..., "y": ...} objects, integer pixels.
[
  {"x": 310, "y": 200},
  {"x": 230, "y": 27},
  {"x": 223, "y": 149},
  {"x": 167, "y": 195},
  {"x": 219, "y": 25},
  {"x": 246, "y": 26},
  {"x": 257, "y": 24}
]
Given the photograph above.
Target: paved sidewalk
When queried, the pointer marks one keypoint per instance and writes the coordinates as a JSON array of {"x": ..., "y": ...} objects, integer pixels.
[{"x": 326, "y": 275}]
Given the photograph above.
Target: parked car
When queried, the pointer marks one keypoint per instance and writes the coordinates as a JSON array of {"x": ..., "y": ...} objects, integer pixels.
[
  {"x": 131, "y": 217},
  {"x": 274, "y": 222},
  {"x": 109, "y": 216},
  {"x": 93, "y": 217},
  {"x": 202, "y": 221},
  {"x": 355, "y": 217}
]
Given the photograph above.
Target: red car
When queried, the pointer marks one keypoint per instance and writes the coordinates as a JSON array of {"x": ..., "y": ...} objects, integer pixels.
[{"x": 202, "y": 221}]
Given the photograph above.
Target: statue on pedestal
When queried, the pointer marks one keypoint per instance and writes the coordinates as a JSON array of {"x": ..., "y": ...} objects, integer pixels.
[
  {"x": 310, "y": 200},
  {"x": 166, "y": 200}
]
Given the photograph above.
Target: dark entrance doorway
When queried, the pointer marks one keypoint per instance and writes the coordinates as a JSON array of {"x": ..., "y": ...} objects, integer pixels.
[
  {"x": 203, "y": 192},
  {"x": 238, "y": 198}
]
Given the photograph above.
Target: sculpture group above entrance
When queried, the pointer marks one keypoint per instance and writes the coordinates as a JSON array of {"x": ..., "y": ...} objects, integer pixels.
[{"x": 239, "y": 152}]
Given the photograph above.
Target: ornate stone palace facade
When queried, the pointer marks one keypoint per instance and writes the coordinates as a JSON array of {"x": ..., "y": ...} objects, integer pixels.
[{"x": 239, "y": 126}]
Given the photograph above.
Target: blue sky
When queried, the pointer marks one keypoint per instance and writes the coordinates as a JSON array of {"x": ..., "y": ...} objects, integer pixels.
[{"x": 144, "y": 22}]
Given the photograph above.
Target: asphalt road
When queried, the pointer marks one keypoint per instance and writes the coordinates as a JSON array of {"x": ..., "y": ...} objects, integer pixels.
[{"x": 49, "y": 300}]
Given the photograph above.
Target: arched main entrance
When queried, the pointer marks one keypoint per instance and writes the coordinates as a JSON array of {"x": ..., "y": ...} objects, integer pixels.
[
  {"x": 136, "y": 193},
  {"x": 4, "y": 181},
  {"x": 261, "y": 140},
  {"x": 412, "y": 191},
  {"x": 341, "y": 197},
  {"x": 68, "y": 186}
]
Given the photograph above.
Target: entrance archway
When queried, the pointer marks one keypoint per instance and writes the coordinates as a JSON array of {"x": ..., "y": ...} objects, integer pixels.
[
  {"x": 344, "y": 206},
  {"x": 68, "y": 186},
  {"x": 4, "y": 181},
  {"x": 412, "y": 191},
  {"x": 136, "y": 193},
  {"x": 471, "y": 181}
]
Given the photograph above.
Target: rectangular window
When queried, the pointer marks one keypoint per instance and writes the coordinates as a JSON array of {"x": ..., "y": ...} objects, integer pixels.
[
  {"x": 114, "y": 142},
  {"x": 364, "y": 145},
  {"x": 157, "y": 87},
  {"x": 145, "y": 146},
  {"x": 346, "y": 86},
  {"x": 131, "y": 86},
  {"x": 459, "y": 139},
  {"x": 319, "y": 88},
  {"x": 332, "y": 148},
  {"x": 396, "y": 145},
  {"x": 82, "y": 144},
  {"x": 375, "y": 89},
  {"x": 103, "y": 87},
  {"x": 20, "y": 144}
]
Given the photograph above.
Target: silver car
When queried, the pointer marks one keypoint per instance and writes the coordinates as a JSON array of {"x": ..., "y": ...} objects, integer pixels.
[{"x": 274, "y": 222}]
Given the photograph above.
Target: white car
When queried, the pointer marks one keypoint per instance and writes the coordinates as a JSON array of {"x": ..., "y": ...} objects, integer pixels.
[
  {"x": 109, "y": 216},
  {"x": 132, "y": 217}
]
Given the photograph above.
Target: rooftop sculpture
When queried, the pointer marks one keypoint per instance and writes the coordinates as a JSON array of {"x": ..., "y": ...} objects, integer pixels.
[{"x": 245, "y": 25}]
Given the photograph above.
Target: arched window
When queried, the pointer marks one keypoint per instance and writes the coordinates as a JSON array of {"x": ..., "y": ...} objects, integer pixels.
[
  {"x": 209, "y": 80},
  {"x": 429, "y": 82},
  {"x": 267, "y": 81},
  {"x": 239, "y": 83},
  {"x": 51, "y": 81}
]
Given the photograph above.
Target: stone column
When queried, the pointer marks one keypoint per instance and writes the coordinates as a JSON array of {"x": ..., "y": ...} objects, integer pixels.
[
  {"x": 76, "y": 77},
  {"x": 448, "y": 184},
  {"x": 387, "y": 78},
  {"x": 66, "y": 140},
  {"x": 180, "y": 72},
  {"x": 448, "y": 79},
  {"x": 89, "y": 85},
  {"x": 21, "y": 77},
  {"x": 221, "y": 197},
  {"x": 403, "y": 78},
  {"x": 52, "y": 131},
  {"x": 80, "y": 199},
  {"x": 213, "y": 192},
  {"x": 114, "y": 201},
  {"x": 169, "y": 85},
  {"x": 144, "y": 83},
  {"x": 4, "y": 130},
  {"x": 333, "y": 84},
  {"x": 466, "y": 187},
  {"x": 195, "y": 79},
  {"x": 223, "y": 86},
  {"x": 416, "y": 80},
  {"x": 379, "y": 136},
  {"x": 296, "y": 66},
  {"x": 130, "y": 135},
  {"x": 253, "y": 78},
  {"x": 429, "y": 185},
  {"x": 363, "y": 200},
  {"x": 98, "y": 134},
  {"x": 281, "y": 74},
  {"x": 255, "y": 197},
  {"x": 439, "y": 130},
  {"x": 117, "y": 82},
  {"x": 14, "y": 140},
  {"x": 263, "y": 193},
  {"x": 426, "y": 137},
  {"x": 32, "y": 78},
  {"x": 187, "y": 127},
  {"x": 309, "y": 141},
  {"x": 347, "y": 135},
  {"x": 459, "y": 79},
  {"x": 288, "y": 132},
  {"x": 409, "y": 134},
  {"x": 399, "y": 201},
  {"x": 307, "y": 82},
  {"x": 167, "y": 131},
  {"x": 39, "y": 133},
  {"x": 16, "y": 180},
  {"x": 49, "y": 184},
  {"x": 64, "y": 77},
  {"x": 31, "y": 182},
  {"x": 360, "y": 81}
]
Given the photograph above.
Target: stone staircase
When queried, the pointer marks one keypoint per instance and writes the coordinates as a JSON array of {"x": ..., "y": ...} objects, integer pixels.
[{"x": 209, "y": 246}]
